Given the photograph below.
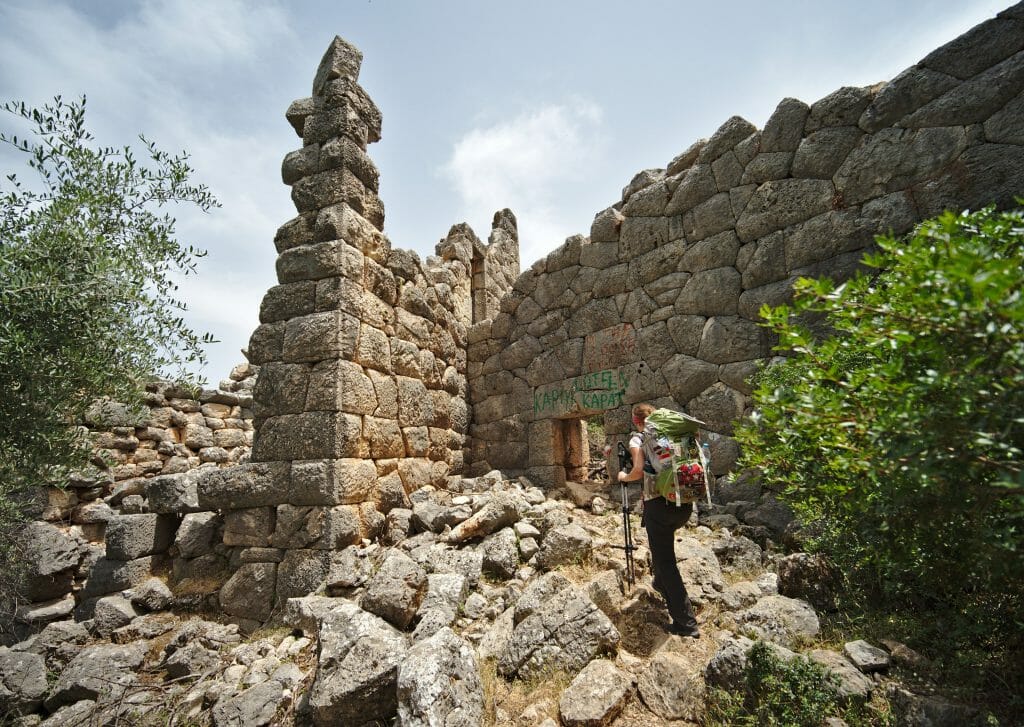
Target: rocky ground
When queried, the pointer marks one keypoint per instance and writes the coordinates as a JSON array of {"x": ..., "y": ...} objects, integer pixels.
[{"x": 489, "y": 603}]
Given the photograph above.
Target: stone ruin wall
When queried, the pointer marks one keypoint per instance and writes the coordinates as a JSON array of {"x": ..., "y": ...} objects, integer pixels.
[
  {"x": 380, "y": 373},
  {"x": 660, "y": 303}
]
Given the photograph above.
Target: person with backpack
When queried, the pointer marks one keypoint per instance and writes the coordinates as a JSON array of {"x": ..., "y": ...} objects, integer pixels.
[{"x": 661, "y": 519}]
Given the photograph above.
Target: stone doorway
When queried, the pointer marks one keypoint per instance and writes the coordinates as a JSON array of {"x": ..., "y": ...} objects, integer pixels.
[{"x": 574, "y": 447}]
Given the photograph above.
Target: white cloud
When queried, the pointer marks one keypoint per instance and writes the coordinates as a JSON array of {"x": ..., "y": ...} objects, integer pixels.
[{"x": 522, "y": 163}]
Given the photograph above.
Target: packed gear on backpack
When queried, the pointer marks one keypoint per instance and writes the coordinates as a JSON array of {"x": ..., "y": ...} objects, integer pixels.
[{"x": 674, "y": 457}]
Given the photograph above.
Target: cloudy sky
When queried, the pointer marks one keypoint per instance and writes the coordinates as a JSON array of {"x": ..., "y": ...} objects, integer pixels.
[{"x": 548, "y": 107}]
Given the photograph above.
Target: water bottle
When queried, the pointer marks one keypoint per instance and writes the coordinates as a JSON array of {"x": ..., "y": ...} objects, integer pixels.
[{"x": 706, "y": 449}]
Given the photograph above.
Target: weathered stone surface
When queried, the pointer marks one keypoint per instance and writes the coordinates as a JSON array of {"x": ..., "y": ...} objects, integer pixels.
[
  {"x": 175, "y": 494},
  {"x": 975, "y": 100},
  {"x": 784, "y": 129},
  {"x": 357, "y": 673},
  {"x": 981, "y": 47},
  {"x": 103, "y": 671},
  {"x": 249, "y": 593},
  {"x": 301, "y": 572},
  {"x": 710, "y": 292},
  {"x": 730, "y": 338},
  {"x": 853, "y": 685},
  {"x": 257, "y": 706},
  {"x": 556, "y": 627},
  {"x": 196, "y": 534},
  {"x": 396, "y": 590},
  {"x": 501, "y": 553},
  {"x": 865, "y": 657},
  {"x": 51, "y": 556},
  {"x": 726, "y": 669},
  {"x": 1007, "y": 125},
  {"x": 112, "y": 612},
  {"x": 596, "y": 696},
  {"x": 332, "y": 481},
  {"x": 808, "y": 577},
  {"x": 22, "y": 681},
  {"x": 916, "y": 709},
  {"x": 718, "y": 407},
  {"x": 563, "y": 545},
  {"x": 247, "y": 485},
  {"x": 132, "y": 536},
  {"x": 696, "y": 186},
  {"x": 903, "y": 95},
  {"x": 672, "y": 687},
  {"x": 842, "y": 107},
  {"x": 729, "y": 134},
  {"x": 781, "y": 620},
  {"x": 501, "y": 510},
  {"x": 778, "y": 204},
  {"x": 821, "y": 153},
  {"x": 439, "y": 683}
]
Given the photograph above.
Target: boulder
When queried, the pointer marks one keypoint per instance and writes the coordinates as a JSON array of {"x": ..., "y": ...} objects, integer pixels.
[
  {"x": 439, "y": 684},
  {"x": 596, "y": 696},
  {"x": 197, "y": 534},
  {"x": 102, "y": 672},
  {"x": 445, "y": 594},
  {"x": 867, "y": 658},
  {"x": 780, "y": 620},
  {"x": 112, "y": 612},
  {"x": 809, "y": 577},
  {"x": 501, "y": 553},
  {"x": 357, "y": 673},
  {"x": 853, "y": 685},
  {"x": 396, "y": 590},
  {"x": 254, "y": 707},
  {"x": 563, "y": 545},
  {"x": 556, "y": 626},
  {"x": 22, "y": 681},
  {"x": 672, "y": 687},
  {"x": 501, "y": 510}
]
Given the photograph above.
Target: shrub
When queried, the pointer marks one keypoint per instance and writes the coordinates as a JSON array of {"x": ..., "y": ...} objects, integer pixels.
[{"x": 895, "y": 425}]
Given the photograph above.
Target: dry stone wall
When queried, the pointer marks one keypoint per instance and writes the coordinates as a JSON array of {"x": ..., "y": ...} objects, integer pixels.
[{"x": 660, "y": 303}]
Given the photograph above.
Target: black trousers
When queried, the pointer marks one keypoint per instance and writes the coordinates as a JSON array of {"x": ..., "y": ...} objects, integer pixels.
[{"x": 661, "y": 520}]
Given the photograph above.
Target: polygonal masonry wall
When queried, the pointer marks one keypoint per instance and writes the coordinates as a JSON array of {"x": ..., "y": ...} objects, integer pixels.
[
  {"x": 661, "y": 302},
  {"x": 381, "y": 373}
]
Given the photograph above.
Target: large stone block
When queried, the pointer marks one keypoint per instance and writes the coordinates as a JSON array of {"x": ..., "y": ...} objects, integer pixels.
[
  {"x": 728, "y": 339},
  {"x": 287, "y": 301},
  {"x": 332, "y": 481},
  {"x": 265, "y": 343},
  {"x": 729, "y": 134},
  {"x": 339, "y": 293},
  {"x": 821, "y": 153},
  {"x": 415, "y": 406},
  {"x": 710, "y": 292},
  {"x": 903, "y": 95},
  {"x": 778, "y": 204},
  {"x": 842, "y": 107},
  {"x": 641, "y": 234},
  {"x": 823, "y": 237},
  {"x": 310, "y": 435},
  {"x": 975, "y": 100},
  {"x": 249, "y": 527},
  {"x": 688, "y": 376},
  {"x": 981, "y": 47},
  {"x": 340, "y": 386},
  {"x": 342, "y": 222},
  {"x": 301, "y": 573},
  {"x": 320, "y": 336},
  {"x": 719, "y": 406},
  {"x": 250, "y": 592},
  {"x": 320, "y": 260},
  {"x": 129, "y": 537},
  {"x": 785, "y": 127},
  {"x": 254, "y": 484},
  {"x": 280, "y": 389}
]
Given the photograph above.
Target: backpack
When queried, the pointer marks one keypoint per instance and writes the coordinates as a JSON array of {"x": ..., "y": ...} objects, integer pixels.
[{"x": 674, "y": 457}]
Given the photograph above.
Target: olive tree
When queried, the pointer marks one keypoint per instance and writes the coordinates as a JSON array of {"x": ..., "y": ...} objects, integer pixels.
[{"x": 88, "y": 262}]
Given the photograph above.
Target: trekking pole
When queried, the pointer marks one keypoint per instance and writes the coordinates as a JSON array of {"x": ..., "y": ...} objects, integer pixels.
[{"x": 625, "y": 465}]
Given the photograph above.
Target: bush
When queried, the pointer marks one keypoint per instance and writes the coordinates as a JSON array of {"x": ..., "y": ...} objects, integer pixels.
[
  {"x": 784, "y": 693},
  {"x": 896, "y": 426}
]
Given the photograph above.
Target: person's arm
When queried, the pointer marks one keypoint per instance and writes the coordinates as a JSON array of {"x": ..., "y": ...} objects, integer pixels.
[{"x": 637, "y": 473}]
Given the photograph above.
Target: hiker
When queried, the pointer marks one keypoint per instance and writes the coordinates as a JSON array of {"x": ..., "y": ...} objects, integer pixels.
[{"x": 661, "y": 519}]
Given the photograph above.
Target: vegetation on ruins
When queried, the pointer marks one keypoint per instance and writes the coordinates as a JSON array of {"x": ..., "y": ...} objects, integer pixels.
[
  {"x": 88, "y": 262},
  {"x": 895, "y": 429}
]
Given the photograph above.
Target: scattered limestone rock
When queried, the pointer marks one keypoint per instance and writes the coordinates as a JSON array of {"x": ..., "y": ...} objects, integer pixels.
[{"x": 596, "y": 696}]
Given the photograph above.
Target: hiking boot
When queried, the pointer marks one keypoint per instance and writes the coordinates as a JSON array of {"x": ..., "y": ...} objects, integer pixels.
[{"x": 687, "y": 631}]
